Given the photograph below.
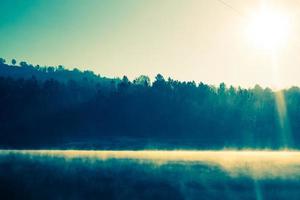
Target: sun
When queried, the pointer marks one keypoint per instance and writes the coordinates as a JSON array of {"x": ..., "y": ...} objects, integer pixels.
[{"x": 268, "y": 29}]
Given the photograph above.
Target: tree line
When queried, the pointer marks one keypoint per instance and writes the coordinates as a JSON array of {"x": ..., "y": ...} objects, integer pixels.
[{"x": 52, "y": 106}]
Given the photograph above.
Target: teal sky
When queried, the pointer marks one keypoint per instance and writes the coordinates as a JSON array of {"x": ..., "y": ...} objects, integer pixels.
[{"x": 201, "y": 40}]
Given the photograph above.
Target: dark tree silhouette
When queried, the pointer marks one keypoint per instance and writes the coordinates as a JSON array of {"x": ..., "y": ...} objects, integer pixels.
[
  {"x": 44, "y": 107},
  {"x": 2, "y": 60},
  {"x": 13, "y": 62},
  {"x": 142, "y": 80},
  {"x": 23, "y": 64}
]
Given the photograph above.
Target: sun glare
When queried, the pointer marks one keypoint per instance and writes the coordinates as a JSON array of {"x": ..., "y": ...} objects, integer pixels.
[{"x": 268, "y": 29}]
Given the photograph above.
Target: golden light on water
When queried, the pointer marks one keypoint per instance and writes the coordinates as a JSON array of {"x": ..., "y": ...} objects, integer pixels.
[{"x": 257, "y": 164}]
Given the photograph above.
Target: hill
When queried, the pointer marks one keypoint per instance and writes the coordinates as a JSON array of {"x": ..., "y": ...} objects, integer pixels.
[{"x": 53, "y": 107}]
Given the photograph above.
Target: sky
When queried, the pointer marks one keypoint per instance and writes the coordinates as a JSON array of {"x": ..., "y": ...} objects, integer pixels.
[{"x": 200, "y": 40}]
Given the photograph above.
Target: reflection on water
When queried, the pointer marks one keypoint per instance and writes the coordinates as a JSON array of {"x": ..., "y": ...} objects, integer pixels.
[{"x": 150, "y": 174}]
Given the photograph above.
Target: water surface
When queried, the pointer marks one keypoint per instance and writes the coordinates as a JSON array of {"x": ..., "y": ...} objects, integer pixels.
[{"x": 73, "y": 174}]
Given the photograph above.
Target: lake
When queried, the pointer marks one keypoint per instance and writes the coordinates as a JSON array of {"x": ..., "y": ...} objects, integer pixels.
[{"x": 74, "y": 174}]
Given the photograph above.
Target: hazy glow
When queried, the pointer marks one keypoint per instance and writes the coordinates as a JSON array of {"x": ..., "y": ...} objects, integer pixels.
[
  {"x": 187, "y": 40},
  {"x": 257, "y": 164},
  {"x": 269, "y": 29}
]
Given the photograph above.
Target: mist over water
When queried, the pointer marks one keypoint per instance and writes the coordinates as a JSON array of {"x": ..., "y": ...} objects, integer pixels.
[{"x": 73, "y": 174}]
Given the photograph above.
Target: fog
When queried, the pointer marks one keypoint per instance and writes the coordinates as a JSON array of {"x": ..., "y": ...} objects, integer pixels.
[{"x": 73, "y": 174}]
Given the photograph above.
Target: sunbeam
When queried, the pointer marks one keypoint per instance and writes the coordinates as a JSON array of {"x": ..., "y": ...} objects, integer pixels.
[{"x": 281, "y": 107}]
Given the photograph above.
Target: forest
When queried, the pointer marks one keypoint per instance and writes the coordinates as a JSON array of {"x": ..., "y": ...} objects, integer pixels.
[{"x": 55, "y": 107}]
